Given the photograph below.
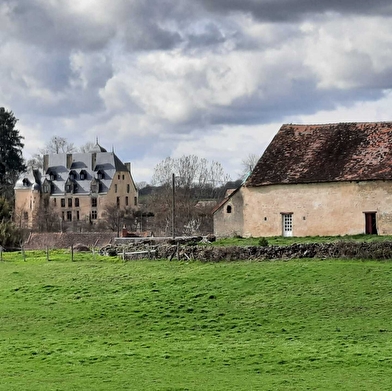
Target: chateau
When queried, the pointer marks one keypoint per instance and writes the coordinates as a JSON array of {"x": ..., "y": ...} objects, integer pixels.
[{"x": 73, "y": 189}]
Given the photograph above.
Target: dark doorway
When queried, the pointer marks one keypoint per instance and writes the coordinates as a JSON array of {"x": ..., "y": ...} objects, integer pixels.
[{"x": 370, "y": 223}]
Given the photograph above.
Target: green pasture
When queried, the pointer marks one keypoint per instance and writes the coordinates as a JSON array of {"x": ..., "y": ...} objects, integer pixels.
[{"x": 103, "y": 324}]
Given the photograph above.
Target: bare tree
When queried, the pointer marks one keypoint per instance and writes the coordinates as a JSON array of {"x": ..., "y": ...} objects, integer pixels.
[
  {"x": 87, "y": 147},
  {"x": 195, "y": 179},
  {"x": 248, "y": 164},
  {"x": 58, "y": 144},
  {"x": 115, "y": 218}
]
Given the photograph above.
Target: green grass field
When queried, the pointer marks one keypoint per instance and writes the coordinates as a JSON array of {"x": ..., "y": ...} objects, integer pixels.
[{"x": 102, "y": 324}]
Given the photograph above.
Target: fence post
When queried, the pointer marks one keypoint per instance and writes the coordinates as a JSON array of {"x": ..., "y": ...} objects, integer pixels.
[
  {"x": 47, "y": 253},
  {"x": 72, "y": 253}
]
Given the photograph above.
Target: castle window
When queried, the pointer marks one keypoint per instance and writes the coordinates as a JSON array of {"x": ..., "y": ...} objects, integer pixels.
[
  {"x": 118, "y": 202},
  {"x": 94, "y": 215},
  {"x": 69, "y": 215},
  {"x": 100, "y": 174},
  {"x": 63, "y": 202},
  {"x": 69, "y": 202},
  {"x": 77, "y": 215},
  {"x": 83, "y": 175},
  {"x": 126, "y": 200},
  {"x": 128, "y": 188},
  {"x": 228, "y": 209},
  {"x": 72, "y": 175},
  {"x": 115, "y": 188},
  {"x": 52, "y": 175},
  {"x": 77, "y": 203},
  {"x": 94, "y": 202},
  {"x": 25, "y": 182},
  {"x": 46, "y": 187},
  {"x": 54, "y": 201},
  {"x": 135, "y": 201}
]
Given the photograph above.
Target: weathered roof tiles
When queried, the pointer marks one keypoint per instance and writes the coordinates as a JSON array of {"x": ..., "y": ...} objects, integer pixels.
[{"x": 326, "y": 153}]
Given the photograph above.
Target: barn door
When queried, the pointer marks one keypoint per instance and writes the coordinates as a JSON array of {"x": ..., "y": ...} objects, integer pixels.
[
  {"x": 287, "y": 224},
  {"x": 370, "y": 223}
]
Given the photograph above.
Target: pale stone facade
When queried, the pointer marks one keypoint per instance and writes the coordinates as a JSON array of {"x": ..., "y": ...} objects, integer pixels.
[
  {"x": 75, "y": 187},
  {"x": 317, "y": 208}
]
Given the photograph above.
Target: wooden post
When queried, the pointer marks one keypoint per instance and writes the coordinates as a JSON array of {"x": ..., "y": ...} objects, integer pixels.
[
  {"x": 47, "y": 253},
  {"x": 72, "y": 253},
  {"x": 1, "y": 253},
  {"x": 24, "y": 254},
  {"x": 174, "y": 206}
]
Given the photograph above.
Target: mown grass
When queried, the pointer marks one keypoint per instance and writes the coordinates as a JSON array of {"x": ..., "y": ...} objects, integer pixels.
[
  {"x": 104, "y": 324},
  {"x": 283, "y": 241}
]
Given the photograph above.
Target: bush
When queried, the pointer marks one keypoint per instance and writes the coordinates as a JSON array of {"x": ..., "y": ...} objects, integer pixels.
[{"x": 263, "y": 242}]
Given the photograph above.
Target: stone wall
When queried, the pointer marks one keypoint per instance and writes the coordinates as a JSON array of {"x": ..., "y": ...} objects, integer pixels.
[{"x": 209, "y": 253}]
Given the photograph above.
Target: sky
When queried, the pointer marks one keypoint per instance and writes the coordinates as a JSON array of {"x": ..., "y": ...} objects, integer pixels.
[{"x": 213, "y": 78}]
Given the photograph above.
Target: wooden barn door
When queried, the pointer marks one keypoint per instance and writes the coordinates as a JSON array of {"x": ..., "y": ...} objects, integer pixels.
[{"x": 370, "y": 223}]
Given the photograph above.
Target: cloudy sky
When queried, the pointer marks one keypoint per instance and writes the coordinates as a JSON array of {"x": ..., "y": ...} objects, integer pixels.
[{"x": 215, "y": 78}]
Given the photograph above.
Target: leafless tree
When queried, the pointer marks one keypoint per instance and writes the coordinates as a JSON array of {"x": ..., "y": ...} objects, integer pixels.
[
  {"x": 87, "y": 147},
  {"x": 248, "y": 164},
  {"x": 58, "y": 144},
  {"x": 115, "y": 218},
  {"x": 195, "y": 179}
]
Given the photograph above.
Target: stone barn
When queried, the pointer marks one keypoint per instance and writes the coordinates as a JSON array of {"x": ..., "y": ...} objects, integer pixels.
[{"x": 331, "y": 179}]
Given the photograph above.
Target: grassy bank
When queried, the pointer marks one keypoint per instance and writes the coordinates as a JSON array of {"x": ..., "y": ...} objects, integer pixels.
[
  {"x": 157, "y": 325},
  {"x": 283, "y": 241}
]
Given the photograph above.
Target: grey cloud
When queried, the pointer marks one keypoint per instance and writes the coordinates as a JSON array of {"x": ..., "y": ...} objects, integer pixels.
[
  {"x": 291, "y": 10},
  {"x": 54, "y": 29}
]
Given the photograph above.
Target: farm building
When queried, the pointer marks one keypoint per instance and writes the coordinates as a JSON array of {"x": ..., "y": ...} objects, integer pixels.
[
  {"x": 75, "y": 188},
  {"x": 331, "y": 179}
]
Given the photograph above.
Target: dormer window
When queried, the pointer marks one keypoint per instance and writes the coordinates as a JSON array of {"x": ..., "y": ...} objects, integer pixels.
[
  {"x": 46, "y": 187},
  {"x": 83, "y": 175},
  {"x": 69, "y": 186},
  {"x": 26, "y": 182},
  {"x": 72, "y": 175},
  {"x": 52, "y": 175},
  {"x": 100, "y": 174}
]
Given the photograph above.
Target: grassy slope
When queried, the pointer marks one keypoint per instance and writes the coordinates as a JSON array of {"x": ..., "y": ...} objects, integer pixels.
[
  {"x": 149, "y": 325},
  {"x": 283, "y": 241}
]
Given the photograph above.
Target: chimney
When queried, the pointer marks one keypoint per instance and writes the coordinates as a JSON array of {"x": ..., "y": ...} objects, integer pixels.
[{"x": 128, "y": 166}]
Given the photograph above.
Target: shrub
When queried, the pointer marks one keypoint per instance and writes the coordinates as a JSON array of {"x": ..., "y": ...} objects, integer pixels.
[{"x": 263, "y": 242}]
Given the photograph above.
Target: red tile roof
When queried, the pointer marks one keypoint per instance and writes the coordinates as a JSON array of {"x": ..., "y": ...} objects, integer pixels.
[{"x": 326, "y": 153}]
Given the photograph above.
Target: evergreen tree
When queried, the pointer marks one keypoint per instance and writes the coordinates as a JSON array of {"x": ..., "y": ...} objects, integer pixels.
[{"x": 11, "y": 159}]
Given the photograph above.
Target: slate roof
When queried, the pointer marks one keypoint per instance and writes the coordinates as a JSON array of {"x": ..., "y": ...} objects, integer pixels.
[
  {"x": 96, "y": 161},
  {"x": 326, "y": 153}
]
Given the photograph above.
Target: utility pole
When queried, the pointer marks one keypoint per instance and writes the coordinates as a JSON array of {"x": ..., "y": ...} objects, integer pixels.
[{"x": 173, "y": 206}]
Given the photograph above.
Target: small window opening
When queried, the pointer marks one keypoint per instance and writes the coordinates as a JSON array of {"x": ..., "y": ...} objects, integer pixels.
[{"x": 228, "y": 209}]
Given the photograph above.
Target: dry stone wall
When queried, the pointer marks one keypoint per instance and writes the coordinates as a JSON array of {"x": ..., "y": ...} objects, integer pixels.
[{"x": 208, "y": 253}]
